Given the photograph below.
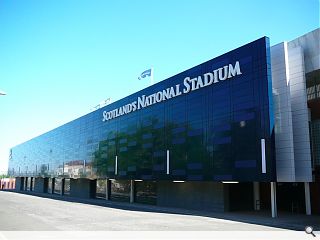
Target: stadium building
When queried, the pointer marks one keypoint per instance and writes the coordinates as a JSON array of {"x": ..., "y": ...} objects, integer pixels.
[{"x": 238, "y": 132}]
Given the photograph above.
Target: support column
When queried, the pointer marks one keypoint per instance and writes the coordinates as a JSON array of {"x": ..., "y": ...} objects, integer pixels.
[
  {"x": 31, "y": 184},
  {"x": 274, "y": 211},
  {"x": 62, "y": 187},
  {"x": 131, "y": 191},
  {"x": 108, "y": 187},
  {"x": 256, "y": 196},
  {"x": 93, "y": 188},
  {"x": 307, "y": 198},
  {"x": 45, "y": 184},
  {"x": 21, "y": 188},
  {"x": 53, "y": 183},
  {"x": 49, "y": 185},
  {"x": 25, "y": 184}
]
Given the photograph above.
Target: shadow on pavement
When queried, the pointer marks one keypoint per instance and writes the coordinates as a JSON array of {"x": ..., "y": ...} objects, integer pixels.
[{"x": 285, "y": 220}]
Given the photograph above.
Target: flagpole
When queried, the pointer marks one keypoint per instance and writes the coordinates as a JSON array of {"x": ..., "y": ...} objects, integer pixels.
[{"x": 151, "y": 77}]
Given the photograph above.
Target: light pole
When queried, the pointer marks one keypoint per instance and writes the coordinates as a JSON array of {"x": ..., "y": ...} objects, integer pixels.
[{"x": 2, "y": 93}]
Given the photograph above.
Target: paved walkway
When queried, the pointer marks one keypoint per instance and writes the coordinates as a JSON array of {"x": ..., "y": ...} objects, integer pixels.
[{"x": 262, "y": 218}]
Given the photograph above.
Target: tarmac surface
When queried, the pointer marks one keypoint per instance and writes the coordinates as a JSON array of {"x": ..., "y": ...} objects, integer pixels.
[{"x": 38, "y": 212}]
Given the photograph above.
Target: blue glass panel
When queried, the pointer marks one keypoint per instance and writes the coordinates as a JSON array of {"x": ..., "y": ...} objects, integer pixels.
[
  {"x": 245, "y": 164},
  {"x": 207, "y": 131}
]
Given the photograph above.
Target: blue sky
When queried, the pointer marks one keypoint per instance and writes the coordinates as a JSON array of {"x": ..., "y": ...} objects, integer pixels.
[{"x": 58, "y": 59}]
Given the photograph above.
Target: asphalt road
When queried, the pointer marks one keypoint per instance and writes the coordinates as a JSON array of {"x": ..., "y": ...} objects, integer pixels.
[{"x": 19, "y": 212}]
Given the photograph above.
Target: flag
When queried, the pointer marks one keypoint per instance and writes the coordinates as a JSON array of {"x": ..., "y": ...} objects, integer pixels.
[{"x": 146, "y": 73}]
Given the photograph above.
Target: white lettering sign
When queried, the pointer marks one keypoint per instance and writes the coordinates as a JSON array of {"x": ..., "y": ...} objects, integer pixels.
[{"x": 189, "y": 85}]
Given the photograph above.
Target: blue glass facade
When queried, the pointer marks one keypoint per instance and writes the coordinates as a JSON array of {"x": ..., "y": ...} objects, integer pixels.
[{"x": 210, "y": 134}]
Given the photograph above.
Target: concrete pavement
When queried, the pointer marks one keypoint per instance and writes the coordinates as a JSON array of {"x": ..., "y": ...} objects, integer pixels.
[{"x": 27, "y": 212}]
